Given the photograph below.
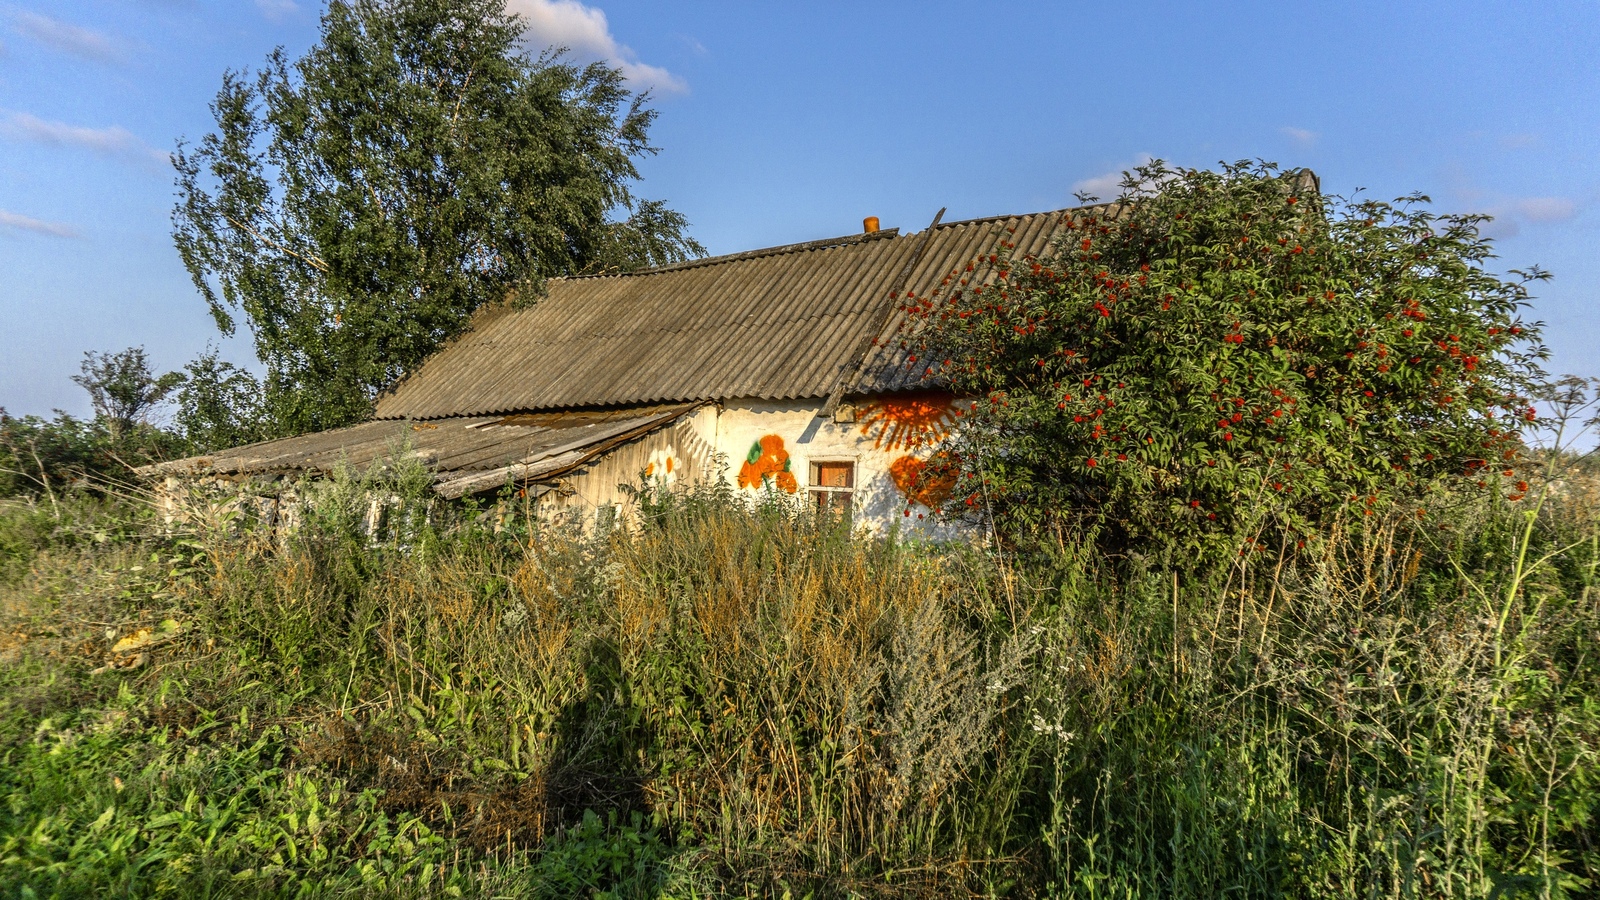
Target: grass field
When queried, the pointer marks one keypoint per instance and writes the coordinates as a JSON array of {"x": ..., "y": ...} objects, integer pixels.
[{"x": 727, "y": 701}]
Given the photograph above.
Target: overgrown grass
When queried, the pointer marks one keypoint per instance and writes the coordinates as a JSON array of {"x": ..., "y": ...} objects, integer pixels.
[{"x": 736, "y": 702}]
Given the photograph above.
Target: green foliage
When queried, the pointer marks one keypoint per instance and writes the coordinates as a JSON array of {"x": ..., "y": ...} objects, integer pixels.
[
  {"x": 123, "y": 390},
  {"x": 219, "y": 405},
  {"x": 38, "y": 455},
  {"x": 130, "y": 811},
  {"x": 1218, "y": 348},
  {"x": 602, "y": 855},
  {"x": 723, "y": 701},
  {"x": 358, "y": 204},
  {"x": 24, "y": 529},
  {"x": 44, "y": 457}
]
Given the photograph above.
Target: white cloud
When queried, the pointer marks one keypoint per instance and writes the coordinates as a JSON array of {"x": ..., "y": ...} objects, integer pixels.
[
  {"x": 1546, "y": 209},
  {"x": 1516, "y": 212},
  {"x": 693, "y": 45},
  {"x": 1109, "y": 185},
  {"x": 74, "y": 39},
  {"x": 1304, "y": 137},
  {"x": 585, "y": 31},
  {"x": 114, "y": 141},
  {"x": 1510, "y": 212},
  {"x": 277, "y": 9},
  {"x": 18, "y": 222}
]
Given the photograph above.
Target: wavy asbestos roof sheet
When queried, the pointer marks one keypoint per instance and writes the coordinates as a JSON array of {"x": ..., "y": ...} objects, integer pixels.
[
  {"x": 466, "y": 454},
  {"x": 779, "y": 324}
]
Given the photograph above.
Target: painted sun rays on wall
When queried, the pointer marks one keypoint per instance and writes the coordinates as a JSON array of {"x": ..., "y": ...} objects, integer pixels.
[{"x": 908, "y": 421}]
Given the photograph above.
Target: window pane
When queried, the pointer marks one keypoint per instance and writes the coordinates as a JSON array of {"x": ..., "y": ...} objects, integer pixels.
[
  {"x": 834, "y": 501},
  {"x": 839, "y": 475}
]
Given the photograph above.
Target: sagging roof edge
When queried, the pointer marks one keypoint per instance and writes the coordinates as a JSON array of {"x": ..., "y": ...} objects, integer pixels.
[
  {"x": 554, "y": 466},
  {"x": 818, "y": 400},
  {"x": 450, "y": 483}
]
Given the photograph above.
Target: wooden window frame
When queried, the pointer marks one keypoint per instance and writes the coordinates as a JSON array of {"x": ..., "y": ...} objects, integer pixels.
[{"x": 821, "y": 496}]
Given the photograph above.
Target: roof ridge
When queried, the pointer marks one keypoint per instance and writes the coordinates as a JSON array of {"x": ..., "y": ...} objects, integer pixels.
[
  {"x": 804, "y": 246},
  {"x": 845, "y": 240},
  {"x": 984, "y": 220}
]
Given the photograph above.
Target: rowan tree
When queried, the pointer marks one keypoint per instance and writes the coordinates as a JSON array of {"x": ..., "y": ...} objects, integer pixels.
[{"x": 1220, "y": 357}]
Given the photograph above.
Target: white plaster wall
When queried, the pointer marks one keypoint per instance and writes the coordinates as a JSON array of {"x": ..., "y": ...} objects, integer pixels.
[
  {"x": 808, "y": 438},
  {"x": 730, "y": 430}
]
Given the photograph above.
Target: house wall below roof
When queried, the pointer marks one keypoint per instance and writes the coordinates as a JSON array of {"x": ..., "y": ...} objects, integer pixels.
[
  {"x": 769, "y": 447},
  {"x": 679, "y": 454}
]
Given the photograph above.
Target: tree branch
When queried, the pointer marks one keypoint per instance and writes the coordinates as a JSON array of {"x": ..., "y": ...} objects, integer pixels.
[{"x": 311, "y": 261}]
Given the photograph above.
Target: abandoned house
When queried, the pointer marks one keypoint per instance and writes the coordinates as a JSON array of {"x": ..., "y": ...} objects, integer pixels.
[{"x": 779, "y": 370}]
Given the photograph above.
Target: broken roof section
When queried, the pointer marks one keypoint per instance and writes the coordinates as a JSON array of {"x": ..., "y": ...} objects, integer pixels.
[
  {"x": 467, "y": 454},
  {"x": 784, "y": 323}
]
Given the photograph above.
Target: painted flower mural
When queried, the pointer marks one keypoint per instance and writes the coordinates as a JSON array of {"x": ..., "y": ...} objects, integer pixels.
[
  {"x": 662, "y": 467},
  {"x": 928, "y": 482},
  {"x": 910, "y": 420},
  {"x": 768, "y": 462}
]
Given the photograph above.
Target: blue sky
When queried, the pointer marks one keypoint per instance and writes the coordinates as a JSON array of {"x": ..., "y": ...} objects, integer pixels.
[{"x": 787, "y": 122}]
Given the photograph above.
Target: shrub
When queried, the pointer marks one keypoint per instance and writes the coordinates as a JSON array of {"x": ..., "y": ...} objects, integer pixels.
[{"x": 1219, "y": 347}]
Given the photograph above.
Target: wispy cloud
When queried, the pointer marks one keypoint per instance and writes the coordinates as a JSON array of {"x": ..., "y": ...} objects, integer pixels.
[
  {"x": 1303, "y": 137},
  {"x": 1108, "y": 186},
  {"x": 1510, "y": 212},
  {"x": 277, "y": 9},
  {"x": 692, "y": 44},
  {"x": 1543, "y": 209},
  {"x": 16, "y": 222},
  {"x": 69, "y": 38},
  {"x": 114, "y": 141},
  {"x": 585, "y": 31}
]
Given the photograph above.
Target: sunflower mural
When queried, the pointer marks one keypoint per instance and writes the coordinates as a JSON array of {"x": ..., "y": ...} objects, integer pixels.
[
  {"x": 768, "y": 462},
  {"x": 908, "y": 421}
]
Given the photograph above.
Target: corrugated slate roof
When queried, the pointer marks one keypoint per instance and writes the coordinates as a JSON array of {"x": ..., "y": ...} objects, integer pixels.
[
  {"x": 884, "y": 366},
  {"x": 467, "y": 454},
  {"x": 784, "y": 323}
]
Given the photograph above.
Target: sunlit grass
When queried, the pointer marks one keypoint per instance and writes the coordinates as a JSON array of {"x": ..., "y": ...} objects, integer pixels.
[{"x": 731, "y": 701}]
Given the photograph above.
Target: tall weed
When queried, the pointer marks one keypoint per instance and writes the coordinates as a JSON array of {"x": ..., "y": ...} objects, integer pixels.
[{"x": 407, "y": 699}]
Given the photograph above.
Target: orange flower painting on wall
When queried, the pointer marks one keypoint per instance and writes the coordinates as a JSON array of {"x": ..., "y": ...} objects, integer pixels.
[
  {"x": 928, "y": 482},
  {"x": 908, "y": 421},
  {"x": 768, "y": 461}
]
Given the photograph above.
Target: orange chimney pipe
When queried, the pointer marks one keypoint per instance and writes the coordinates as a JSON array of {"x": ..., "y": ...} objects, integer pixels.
[{"x": 869, "y": 224}]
